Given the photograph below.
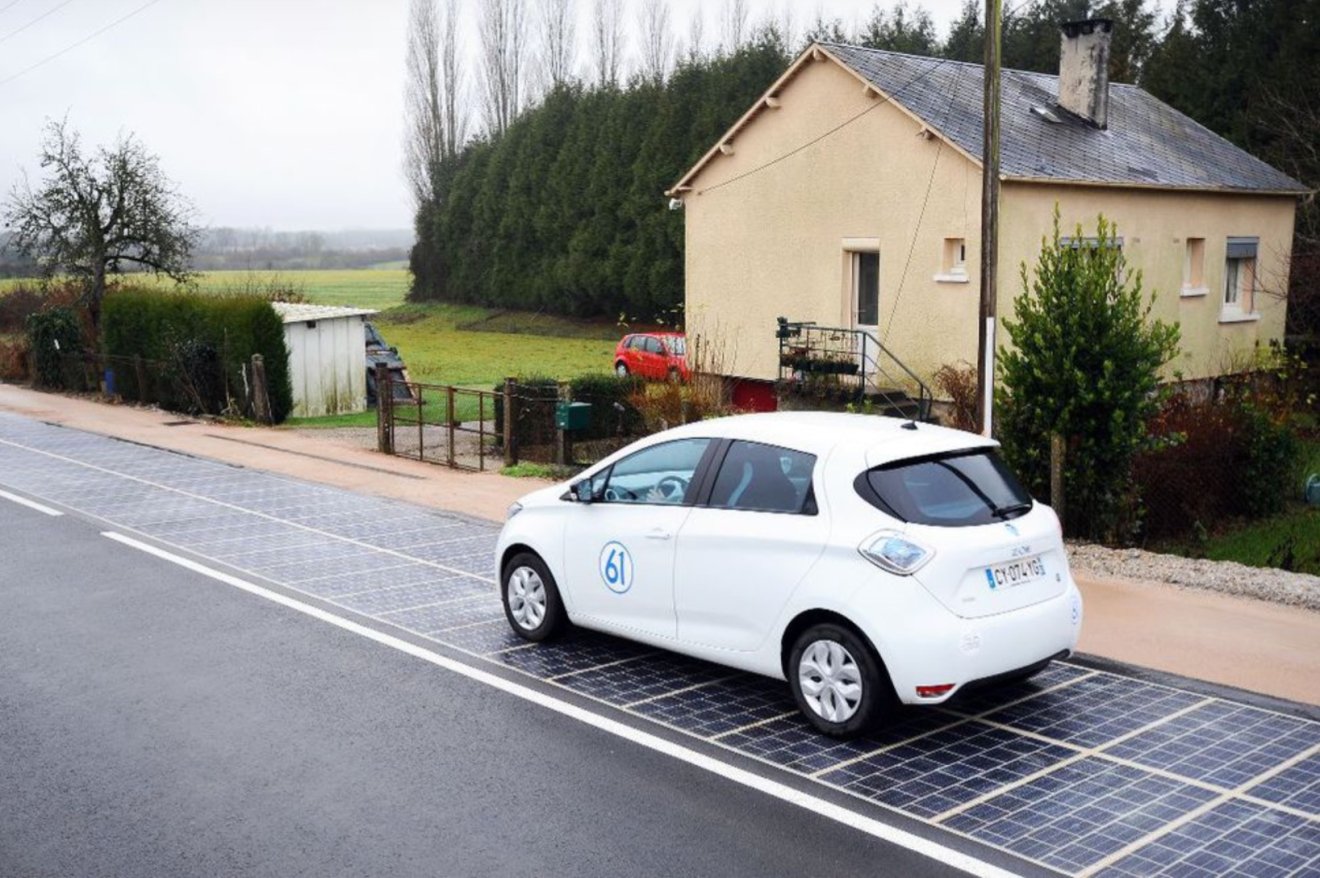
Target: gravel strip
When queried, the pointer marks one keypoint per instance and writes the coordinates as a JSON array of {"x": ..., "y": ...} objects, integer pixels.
[{"x": 1229, "y": 577}]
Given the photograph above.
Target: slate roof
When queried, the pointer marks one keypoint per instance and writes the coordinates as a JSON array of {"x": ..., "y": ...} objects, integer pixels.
[{"x": 1147, "y": 143}]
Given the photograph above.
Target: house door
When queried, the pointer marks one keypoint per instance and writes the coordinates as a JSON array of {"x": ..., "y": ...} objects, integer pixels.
[{"x": 866, "y": 303}]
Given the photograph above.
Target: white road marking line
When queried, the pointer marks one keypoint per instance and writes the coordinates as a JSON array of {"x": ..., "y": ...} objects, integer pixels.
[
  {"x": 30, "y": 504},
  {"x": 245, "y": 510},
  {"x": 830, "y": 811}
]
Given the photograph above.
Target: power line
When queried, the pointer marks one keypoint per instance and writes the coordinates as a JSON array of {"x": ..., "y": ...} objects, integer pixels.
[
  {"x": 47, "y": 14},
  {"x": 73, "y": 46},
  {"x": 916, "y": 232}
]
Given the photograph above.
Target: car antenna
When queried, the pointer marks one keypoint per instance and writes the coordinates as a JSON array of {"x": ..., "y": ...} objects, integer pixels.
[{"x": 911, "y": 424}]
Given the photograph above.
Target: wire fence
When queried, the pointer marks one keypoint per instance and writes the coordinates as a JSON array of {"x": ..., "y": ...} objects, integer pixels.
[
  {"x": 198, "y": 385},
  {"x": 521, "y": 422}
]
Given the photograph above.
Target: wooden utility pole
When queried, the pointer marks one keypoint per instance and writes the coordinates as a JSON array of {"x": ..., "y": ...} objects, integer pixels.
[{"x": 985, "y": 348}]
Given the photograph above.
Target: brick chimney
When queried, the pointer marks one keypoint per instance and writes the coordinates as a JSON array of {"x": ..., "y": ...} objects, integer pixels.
[{"x": 1084, "y": 69}]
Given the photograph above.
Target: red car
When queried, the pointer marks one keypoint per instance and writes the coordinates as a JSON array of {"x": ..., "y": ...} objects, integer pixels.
[{"x": 660, "y": 356}]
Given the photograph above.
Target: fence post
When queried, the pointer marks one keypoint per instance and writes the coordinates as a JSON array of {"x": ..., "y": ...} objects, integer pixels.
[
  {"x": 260, "y": 394},
  {"x": 1057, "y": 453},
  {"x": 140, "y": 373},
  {"x": 449, "y": 419},
  {"x": 510, "y": 412},
  {"x": 563, "y": 442},
  {"x": 383, "y": 425}
]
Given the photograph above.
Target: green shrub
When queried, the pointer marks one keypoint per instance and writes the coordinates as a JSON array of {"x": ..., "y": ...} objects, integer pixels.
[
  {"x": 55, "y": 338},
  {"x": 603, "y": 392},
  {"x": 206, "y": 341},
  {"x": 1085, "y": 365}
]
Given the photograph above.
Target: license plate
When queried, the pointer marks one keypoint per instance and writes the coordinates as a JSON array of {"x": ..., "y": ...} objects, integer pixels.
[{"x": 1015, "y": 573}]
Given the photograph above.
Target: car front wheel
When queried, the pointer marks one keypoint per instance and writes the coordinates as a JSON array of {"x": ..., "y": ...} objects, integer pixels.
[
  {"x": 836, "y": 680},
  {"x": 531, "y": 599}
]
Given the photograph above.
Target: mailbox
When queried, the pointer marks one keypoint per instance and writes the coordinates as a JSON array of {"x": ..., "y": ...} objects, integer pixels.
[{"x": 572, "y": 415}]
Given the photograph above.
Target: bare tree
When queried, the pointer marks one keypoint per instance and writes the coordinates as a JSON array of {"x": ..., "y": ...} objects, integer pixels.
[
  {"x": 503, "y": 50},
  {"x": 696, "y": 34},
  {"x": 734, "y": 25},
  {"x": 557, "y": 41},
  {"x": 434, "y": 125},
  {"x": 608, "y": 26},
  {"x": 657, "y": 40},
  {"x": 94, "y": 214}
]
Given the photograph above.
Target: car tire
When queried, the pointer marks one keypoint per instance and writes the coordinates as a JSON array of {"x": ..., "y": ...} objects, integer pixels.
[
  {"x": 837, "y": 661},
  {"x": 621, "y": 370},
  {"x": 531, "y": 599}
]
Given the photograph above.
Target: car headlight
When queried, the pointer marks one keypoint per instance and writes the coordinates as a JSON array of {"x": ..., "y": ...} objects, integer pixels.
[
  {"x": 890, "y": 550},
  {"x": 514, "y": 509}
]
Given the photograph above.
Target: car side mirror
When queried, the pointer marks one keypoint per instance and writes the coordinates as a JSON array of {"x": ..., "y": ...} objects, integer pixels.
[{"x": 584, "y": 491}]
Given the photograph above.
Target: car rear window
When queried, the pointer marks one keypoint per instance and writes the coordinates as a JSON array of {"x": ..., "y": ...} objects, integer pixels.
[
  {"x": 677, "y": 345},
  {"x": 962, "y": 489}
]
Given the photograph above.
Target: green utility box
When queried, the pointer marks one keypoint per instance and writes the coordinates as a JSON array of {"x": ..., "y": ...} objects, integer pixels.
[{"x": 572, "y": 415}]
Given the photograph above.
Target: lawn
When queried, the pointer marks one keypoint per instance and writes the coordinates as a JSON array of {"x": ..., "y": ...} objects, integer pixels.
[{"x": 439, "y": 347}]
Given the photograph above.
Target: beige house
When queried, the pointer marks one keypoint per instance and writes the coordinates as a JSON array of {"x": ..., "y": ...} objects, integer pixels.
[{"x": 850, "y": 195}]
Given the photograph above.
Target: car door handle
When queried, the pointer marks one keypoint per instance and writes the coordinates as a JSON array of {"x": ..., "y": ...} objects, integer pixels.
[{"x": 658, "y": 534}]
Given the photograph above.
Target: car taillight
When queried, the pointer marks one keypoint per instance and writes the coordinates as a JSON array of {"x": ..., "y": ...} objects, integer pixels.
[{"x": 934, "y": 691}]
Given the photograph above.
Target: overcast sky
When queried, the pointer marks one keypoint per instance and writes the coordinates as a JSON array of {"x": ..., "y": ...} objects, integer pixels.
[{"x": 278, "y": 113}]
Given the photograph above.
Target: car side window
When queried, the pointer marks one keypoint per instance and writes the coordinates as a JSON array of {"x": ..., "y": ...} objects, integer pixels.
[
  {"x": 661, "y": 474},
  {"x": 653, "y": 345},
  {"x": 765, "y": 478}
]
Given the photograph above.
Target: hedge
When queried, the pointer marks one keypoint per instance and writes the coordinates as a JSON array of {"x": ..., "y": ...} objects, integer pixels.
[{"x": 207, "y": 338}]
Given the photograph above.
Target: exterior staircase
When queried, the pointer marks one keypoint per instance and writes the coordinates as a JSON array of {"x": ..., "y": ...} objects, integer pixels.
[{"x": 834, "y": 365}]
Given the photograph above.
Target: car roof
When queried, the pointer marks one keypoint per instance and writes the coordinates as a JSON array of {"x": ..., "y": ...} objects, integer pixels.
[{"x": 821, "y": 432}]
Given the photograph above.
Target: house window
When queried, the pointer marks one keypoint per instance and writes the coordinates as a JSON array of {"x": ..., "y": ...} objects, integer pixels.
[
  {"x": 953, "y": 264},
  {"x": 1194, "y": 268},
  {"x": 866, "y": 288},
  {"x": 1240, "y": 278}
]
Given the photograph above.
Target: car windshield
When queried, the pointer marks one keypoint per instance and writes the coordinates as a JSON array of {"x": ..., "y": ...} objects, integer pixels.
[{"x": 960, "y": 489}]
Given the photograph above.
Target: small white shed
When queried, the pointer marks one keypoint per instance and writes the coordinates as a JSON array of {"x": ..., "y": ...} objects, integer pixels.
[{"x": 327, "y": 358}]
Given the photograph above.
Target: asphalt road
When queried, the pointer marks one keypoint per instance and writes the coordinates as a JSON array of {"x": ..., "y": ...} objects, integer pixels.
[{"x": 156, "y": 722}]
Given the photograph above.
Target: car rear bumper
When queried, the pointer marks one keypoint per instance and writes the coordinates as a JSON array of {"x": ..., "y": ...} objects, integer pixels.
[{"x": 925, "y": 645}]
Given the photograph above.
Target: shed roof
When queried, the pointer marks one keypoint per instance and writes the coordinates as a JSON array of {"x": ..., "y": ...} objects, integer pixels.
[
  {"x": 1147, "y": 143},
  {"x": 291, "y": 312}
]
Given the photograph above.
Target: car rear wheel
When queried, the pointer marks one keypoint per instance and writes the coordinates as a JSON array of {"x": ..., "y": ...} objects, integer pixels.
[
  {"x": 836, "y": 680},
  {"x": 531, "y": 599},
  {"x": 621, "y": 370}
]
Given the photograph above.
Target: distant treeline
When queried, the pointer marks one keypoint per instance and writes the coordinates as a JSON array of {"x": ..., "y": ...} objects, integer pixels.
[
  {"x": 564, "y": 211},
  {"x": 225, "y": 248},
  {"x": 232, "y": 248}
]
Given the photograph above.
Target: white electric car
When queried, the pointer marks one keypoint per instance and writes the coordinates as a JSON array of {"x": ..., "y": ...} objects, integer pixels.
[{"x": 866, "y": 560}]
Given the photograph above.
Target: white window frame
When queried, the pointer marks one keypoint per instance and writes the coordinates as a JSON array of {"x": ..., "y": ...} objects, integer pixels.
[
  {"x": 1241, "y": 264},
  {"x": 953, "y": 262},
  {"x": 1194, "y": 269}
]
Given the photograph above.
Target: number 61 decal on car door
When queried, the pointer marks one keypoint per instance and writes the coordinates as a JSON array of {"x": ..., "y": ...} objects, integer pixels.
[{"x": 616, "y": 567}]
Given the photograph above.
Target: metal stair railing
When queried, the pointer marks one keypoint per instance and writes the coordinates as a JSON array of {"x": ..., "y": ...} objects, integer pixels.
[{"x": 853, "y": 357}]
